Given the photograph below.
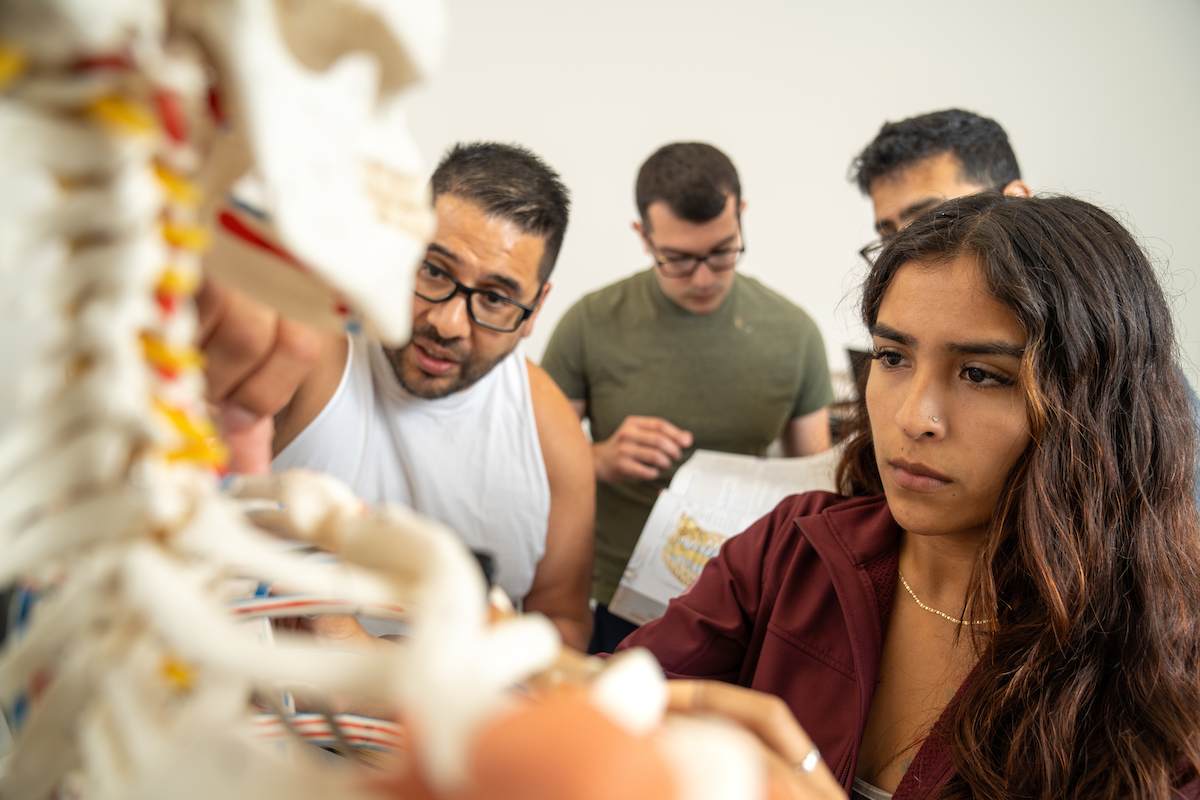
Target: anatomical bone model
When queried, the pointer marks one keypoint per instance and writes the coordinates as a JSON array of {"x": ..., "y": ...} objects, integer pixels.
[{"x": 134, "y": 135}]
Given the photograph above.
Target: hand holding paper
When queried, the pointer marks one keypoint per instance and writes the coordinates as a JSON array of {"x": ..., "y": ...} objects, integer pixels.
[{"x": 640, "y": 449}]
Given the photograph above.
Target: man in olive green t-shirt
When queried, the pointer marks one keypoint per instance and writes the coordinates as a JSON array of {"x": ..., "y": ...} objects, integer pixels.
[{"x": 688, "y": 354}]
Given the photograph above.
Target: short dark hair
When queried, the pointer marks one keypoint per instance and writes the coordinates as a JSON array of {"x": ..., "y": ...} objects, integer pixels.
[
  {"x": 692, "y": 178},
  {"x": 510, "y": 183},
  {"x": 980, "y": 145}
]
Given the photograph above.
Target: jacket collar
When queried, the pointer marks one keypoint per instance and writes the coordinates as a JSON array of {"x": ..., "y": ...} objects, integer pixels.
[
  {"x": 861, "y": 529},
  {"x": 859, "y": 539}
]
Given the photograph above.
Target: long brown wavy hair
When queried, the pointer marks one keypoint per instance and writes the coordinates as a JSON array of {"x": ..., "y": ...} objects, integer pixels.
[{"x": 1089, "y": 683}]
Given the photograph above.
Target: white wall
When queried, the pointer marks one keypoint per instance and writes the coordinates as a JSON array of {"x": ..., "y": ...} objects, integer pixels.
[{"x": 1101, "y": 99}]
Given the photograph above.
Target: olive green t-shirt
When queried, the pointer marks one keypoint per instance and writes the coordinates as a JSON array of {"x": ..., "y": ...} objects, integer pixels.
[{"x": 733, "y": 378}]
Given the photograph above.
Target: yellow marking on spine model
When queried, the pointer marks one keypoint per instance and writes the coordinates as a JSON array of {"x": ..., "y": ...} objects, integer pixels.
[
  {"x": 191, "y": 427},
  {"x": 173, "y": 359},
  {"x": 123, "y": 114},
  {"x": 193, "y": 238},
  {"x": 211, "y": 453},
  {"x": 177, "y": 674},
  {"x": 12, "y": 64},
  {"x": 178, "y": 189},
  {"x": 178, "y": 283},
  {"x": 200, "y": 443}
]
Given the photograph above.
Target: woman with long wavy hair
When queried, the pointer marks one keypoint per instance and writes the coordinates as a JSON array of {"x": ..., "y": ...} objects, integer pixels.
[{"x": 1004, "y": 602}]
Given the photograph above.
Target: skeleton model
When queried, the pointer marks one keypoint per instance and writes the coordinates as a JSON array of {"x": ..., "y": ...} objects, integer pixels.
[{"x": 134, "y": 134}]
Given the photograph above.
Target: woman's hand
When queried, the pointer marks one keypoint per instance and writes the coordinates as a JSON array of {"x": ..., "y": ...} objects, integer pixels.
[{"x": 795, "y": 770}]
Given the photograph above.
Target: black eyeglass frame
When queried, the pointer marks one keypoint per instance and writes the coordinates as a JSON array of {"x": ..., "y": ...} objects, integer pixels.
[
  {"x": 468, "y": 292},
  {"x": 871, "y": 249},
  {"x": 661, "y": 262}
]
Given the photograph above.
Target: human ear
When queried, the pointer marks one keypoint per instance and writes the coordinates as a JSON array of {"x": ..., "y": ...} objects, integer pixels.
[
  {"x": 1017, "y": 188},
  {"x": 641, "y": 232},
  {"x": 528, "y": 328}
]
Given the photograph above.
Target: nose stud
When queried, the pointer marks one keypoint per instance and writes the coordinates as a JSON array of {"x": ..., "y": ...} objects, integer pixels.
[{"x": 935, "y": 419}]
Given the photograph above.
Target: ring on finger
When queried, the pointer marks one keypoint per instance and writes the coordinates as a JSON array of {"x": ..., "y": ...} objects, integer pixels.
[{"x": 810, "y": 761}]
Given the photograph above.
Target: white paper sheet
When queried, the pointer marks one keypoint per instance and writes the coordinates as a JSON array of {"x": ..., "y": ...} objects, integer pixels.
[{"x": 712, "y": 497}]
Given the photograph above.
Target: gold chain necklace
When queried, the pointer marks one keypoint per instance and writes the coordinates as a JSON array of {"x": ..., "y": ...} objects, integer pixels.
[{"x": 932, "y": 610}]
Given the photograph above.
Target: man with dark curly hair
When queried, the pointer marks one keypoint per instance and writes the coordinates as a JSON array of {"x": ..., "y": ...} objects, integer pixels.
[{"x": 915, "y": 164}]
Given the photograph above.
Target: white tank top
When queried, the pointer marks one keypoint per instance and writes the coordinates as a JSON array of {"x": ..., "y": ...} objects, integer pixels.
[{"x": 471, "y": 460}]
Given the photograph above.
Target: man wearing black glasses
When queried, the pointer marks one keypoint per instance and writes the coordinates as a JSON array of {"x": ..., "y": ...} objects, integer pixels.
[
  {"x": 915, "y": 164},
  {"x": 457, "y": 424},
  {"x": 687, "y": 354}
]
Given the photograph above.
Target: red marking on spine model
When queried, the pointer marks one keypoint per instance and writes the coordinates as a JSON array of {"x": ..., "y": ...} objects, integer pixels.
[{"x": 239, "y": 229}]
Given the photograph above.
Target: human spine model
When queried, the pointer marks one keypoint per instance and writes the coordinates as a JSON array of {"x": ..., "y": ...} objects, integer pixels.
[{"x": 129, "y": 677}]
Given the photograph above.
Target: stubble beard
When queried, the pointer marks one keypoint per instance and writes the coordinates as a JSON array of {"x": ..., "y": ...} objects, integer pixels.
[{"x": 416, "y": 382}]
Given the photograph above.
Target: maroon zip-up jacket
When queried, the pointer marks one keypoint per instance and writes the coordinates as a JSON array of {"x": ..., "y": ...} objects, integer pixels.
[{"x": 797, "y": 606}]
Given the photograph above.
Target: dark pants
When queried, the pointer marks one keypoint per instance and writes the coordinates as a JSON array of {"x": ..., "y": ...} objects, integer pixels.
[{"x": 608, "y": 630}]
